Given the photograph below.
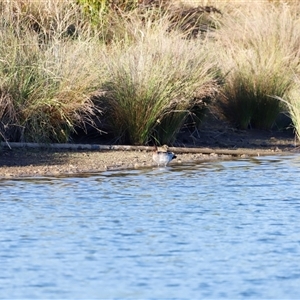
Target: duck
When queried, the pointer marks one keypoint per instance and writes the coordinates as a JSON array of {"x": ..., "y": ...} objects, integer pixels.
[{"x": 162, "y": 156}]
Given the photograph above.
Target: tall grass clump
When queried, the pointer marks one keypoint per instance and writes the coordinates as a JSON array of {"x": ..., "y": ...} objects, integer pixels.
[
  {"x": 154, "y": 83},
  {"x": 292, "y": 102},
  {"x": 294, "y": 108},
  {"x": 44, "y": 91},
  {"x": 258, "y": 47}
]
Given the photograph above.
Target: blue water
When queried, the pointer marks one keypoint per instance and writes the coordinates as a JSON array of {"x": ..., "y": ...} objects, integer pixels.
[{"x": 222, "y": 229}]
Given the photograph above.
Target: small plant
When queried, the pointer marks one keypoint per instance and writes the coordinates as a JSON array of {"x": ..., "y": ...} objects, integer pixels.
[
  {"x": 94, "y": 9},
  {"x": 105, "y": 15}
]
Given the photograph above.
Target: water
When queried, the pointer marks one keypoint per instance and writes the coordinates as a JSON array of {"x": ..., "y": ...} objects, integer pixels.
[{"x": 223, "y": 229}]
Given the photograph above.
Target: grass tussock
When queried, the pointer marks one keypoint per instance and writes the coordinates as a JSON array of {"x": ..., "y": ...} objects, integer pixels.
[
  {"x": 143, "y": 68},
  {"x": 292, "y": 102},
  {"x": 154, "y": 83},
  {"x": 44, "y": 88},
  {"x": 259, "y": 51}
]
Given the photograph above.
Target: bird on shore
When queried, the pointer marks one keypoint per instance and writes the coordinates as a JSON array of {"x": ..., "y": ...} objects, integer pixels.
[{"x": 162, "y": 156}]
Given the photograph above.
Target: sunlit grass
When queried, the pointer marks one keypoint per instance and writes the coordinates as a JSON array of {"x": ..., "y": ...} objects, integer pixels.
[
  {"x": 154, "y": 67},
  {"x": 292, "y": 102},
  {"x": 258, "y": 48},
  {"x": 44, "y": 87},
  {"x": 294, "y": 109},
  {"x": 154, "y": 83}
]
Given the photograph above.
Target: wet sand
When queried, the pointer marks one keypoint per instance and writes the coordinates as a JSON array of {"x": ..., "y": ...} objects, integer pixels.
[
  {"x": 214, "y": 141},
  {"x": 30, "y": 162}
]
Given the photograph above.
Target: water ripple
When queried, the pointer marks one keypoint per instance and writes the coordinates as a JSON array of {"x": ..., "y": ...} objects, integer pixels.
[{"x": 224, "y": 229}]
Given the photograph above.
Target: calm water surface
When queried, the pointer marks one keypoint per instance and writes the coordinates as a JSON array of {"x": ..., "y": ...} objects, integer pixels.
[{"x": 226, "y": 229}]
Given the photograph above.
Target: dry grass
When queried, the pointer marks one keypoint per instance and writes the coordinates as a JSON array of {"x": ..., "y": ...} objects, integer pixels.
[
  {"x": 258, "y": 48},
  {"x": 154, "y": 67},
  {"x": 45, "y": 86},
  {"x": 154, "y": 82},
  {"x": 292, "y": 101}
]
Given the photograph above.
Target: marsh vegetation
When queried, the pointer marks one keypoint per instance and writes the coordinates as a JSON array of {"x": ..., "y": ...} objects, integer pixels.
[{"x": 140, "y": 71}]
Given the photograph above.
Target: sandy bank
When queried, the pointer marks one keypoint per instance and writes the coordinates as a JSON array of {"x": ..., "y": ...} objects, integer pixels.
[{"x": 31, "y": 161}]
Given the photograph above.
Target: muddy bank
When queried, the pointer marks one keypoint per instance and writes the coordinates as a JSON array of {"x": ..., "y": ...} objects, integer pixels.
[
  {"x": 31, "y": 161},
  {"x": 53, "y": 162},
  {"x": 214, "y": 141}
]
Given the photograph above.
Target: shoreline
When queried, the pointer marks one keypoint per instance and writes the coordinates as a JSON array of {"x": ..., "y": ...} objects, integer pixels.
[{"x": 78, "y": 160}]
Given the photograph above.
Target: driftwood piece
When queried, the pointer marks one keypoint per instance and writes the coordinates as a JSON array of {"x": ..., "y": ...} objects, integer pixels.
[{"x": 177, "y": 150}]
